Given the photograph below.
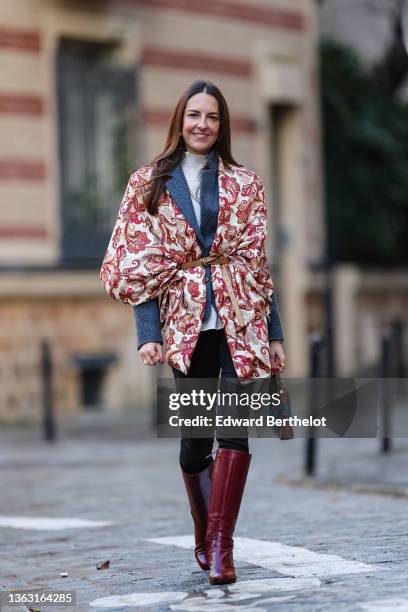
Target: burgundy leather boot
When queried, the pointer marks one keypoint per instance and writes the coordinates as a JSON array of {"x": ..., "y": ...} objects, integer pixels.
[
  {"x": 227, "y": 488},
  {"x": 198, "y": 487}
]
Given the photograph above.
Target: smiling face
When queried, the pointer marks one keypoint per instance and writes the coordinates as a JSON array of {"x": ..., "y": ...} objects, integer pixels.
[{"x": 201, "y": 123}]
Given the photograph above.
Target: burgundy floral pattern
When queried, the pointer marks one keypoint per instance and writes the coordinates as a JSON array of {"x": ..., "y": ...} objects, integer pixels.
[{"x": 143, "y": 260}]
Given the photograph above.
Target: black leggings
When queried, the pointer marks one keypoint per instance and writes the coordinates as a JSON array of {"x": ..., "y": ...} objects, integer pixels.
[{"x": 211, "y": 355}]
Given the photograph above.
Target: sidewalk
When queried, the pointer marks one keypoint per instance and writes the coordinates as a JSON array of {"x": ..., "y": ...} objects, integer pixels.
[
  {"x": 298, "y": 547},
  {"x": 351, "y": 463}
]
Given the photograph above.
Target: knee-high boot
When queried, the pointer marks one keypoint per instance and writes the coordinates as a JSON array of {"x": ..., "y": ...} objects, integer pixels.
[
  {"x": 198, "y": 488},
  {"x": 227, "y": 488}
]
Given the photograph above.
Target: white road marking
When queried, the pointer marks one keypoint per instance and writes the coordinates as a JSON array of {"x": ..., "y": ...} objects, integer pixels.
[
  {"x": 301, "y": 564},
  {"x": 215, "y": 599},
  {"x": 198, "y": 604},
  {"x": 48, "y": 524},
  {"x": 138, "y": 599},
  {"x": 385, "y": 605},
  {"x": 293, "y": 561},
  {"x": 273, "y": 584},
  {"x": 247, "y": 594}
]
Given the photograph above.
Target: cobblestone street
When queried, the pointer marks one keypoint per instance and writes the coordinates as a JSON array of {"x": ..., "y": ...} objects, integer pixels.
[{"x": 338, "y": 541}]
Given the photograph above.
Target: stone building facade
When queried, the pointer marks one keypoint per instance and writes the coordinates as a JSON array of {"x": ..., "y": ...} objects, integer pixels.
[{"x": 85, "y": 96}]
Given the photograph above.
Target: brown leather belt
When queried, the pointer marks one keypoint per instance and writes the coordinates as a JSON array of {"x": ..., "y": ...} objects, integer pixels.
[{"x": 212, "y": 260}]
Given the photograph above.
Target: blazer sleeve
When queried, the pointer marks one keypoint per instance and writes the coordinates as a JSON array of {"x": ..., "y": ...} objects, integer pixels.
[
  {"x": 275, "y": 331},
  {"x": 147, "y": 320}
]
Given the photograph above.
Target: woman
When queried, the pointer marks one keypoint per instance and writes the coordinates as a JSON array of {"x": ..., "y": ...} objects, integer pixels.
[{"x": 191, "y": 233}]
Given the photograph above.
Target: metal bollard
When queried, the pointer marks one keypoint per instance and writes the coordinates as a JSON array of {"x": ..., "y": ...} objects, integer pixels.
[
  {"x": 385, "y": 366},
  {"x": 316, "y": 343},
  {"x": 49, "y": 425},
  {"x": 397, "y": 327}
]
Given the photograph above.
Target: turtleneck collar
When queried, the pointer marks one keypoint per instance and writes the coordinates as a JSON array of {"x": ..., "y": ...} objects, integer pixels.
[
  {"x": 209, "y": 159},
  {"x": 194, "y": 160}
]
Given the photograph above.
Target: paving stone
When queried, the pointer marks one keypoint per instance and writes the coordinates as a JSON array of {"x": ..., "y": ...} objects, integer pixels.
[{"x": 135, "y": 483}]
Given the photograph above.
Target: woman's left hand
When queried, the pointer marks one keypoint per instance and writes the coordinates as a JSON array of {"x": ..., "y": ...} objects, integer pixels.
[{"x": 277, "y": 356}]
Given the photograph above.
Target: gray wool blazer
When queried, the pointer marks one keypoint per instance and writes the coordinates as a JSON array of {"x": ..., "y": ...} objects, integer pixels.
[{"x": 147, "y": 315}]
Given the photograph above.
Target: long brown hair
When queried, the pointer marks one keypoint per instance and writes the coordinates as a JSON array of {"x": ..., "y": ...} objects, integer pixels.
[{"x": 174, "y": 148}]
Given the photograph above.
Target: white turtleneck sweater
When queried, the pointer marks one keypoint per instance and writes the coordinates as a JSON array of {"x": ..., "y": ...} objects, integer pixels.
[{"x": 192, "y": 165}]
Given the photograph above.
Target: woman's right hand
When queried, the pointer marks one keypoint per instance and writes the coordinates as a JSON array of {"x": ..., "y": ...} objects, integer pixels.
[{"x": 151, "y": 353}]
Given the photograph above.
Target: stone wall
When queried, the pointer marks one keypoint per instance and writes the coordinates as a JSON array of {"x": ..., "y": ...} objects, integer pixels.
[{"x": 261, "y": 54}]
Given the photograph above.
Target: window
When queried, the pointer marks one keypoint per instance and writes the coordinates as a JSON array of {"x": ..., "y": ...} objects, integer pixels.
[{"x": 96, "y": 103}]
